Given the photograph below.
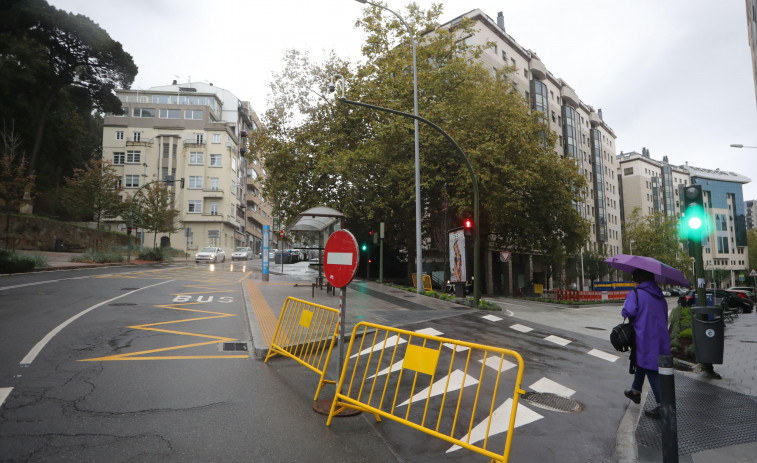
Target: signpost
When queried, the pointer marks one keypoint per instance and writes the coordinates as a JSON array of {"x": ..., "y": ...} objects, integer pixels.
[
  {"x": 340, "y": 261},
  {"x": 266, "y": 247}
]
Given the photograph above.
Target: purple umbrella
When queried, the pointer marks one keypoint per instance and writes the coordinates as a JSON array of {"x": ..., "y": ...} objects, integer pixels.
[{"x": 662, "y": 273}]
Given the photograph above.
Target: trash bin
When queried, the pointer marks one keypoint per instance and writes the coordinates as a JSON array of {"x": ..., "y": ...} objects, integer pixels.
[
  {"x": 709, "y": 299},
  {"x": 708, "y": 333},
  {"x": 59, "y": 246}
]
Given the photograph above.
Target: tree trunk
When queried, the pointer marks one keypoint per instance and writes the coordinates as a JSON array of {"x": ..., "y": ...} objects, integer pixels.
[{"x": 41, "y": 130}]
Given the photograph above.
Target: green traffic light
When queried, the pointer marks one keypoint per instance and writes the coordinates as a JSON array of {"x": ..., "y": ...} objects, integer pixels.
[
  {"x": 695, "y": 223},
  {"x": 364, "y": 247}
]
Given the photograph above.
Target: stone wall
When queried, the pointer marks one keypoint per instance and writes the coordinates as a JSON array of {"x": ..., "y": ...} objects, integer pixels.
[{"x": 30, "y": 233}]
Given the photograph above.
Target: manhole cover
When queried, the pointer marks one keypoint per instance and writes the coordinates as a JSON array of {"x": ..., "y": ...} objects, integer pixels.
[
  {"x": 235, "y": 346},
  {"x": 129, "y": 289},
  {"x": 121, "y": 304},
  {"x": 594, "y": 328},
  {"x": 552, "y": 402}
]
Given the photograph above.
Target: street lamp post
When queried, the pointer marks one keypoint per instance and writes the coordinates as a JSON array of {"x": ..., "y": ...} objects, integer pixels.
[
  {"x": 739, "y": 145},
  {"x": 418, "y": 252},
  {"x": 630, "y": 245}
]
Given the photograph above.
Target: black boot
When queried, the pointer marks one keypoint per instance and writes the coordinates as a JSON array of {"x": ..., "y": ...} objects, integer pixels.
[{"x": 653, "y": 413}]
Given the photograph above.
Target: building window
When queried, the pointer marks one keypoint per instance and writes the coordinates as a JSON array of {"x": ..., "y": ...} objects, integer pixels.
[
  {"x": 169, "y": 113},
  {"x": 195, "y": 182},
  {"x": 118, "y": 158},
  {"x": 143, "y": 112},
  {"x": 525, "y": 73},
  {"x": 504, "y": 56},
  {"x": 214, "y": 208},
  {"x": 216, "y": 138},
  {"x": 193, "y": 114},
  {"x": 194, "y": 206},
  {"x": 119, "y": 134},
  {"x": 196, "y": 157},
  {"x": 215, "y": 160},
  {"x": 131, "y": 181},
  {"x": 233, "y": 165},
  {"x": 136, "y": 136},
  {"x": 133, "y": 156},
  {"x": 215, "y": 184}
]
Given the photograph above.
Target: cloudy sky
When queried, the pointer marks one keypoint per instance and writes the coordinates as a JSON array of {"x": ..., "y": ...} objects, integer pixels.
[{"x": 672, "y": 76}]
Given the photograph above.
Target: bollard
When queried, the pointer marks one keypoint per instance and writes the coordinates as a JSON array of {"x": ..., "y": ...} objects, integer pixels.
[{"x": 668, "y": 409}]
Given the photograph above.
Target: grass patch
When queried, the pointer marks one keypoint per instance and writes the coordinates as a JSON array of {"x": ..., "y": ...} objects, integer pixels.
[
  {"x": 98, "y": 257},
  {"x": 10, "y": 262}
]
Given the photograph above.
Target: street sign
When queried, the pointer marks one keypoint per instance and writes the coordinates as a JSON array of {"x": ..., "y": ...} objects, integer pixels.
[
  {"x": 504, "y": 256},
  {"x": 753, "y": 273},
  {"x": 281, "y": 233},
  {"x": 214, "y": 233},
  {"x": 340, "y": 258}
]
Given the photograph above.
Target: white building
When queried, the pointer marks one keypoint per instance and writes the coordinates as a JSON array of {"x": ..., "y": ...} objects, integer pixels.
[{"x": 194, "y": 134}]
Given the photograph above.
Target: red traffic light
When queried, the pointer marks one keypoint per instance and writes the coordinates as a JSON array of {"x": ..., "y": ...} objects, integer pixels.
[
  {"x": 468, "y": 224},
  {"x": 370, "y": 232},
  {"x": 281, "y": 234}
]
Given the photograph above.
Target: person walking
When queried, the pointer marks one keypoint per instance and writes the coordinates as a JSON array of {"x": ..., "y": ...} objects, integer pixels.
[{"x": 648, "y": 309}]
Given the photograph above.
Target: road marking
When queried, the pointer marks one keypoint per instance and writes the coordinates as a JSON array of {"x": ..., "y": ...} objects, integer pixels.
[
  {"x": 455, "y": 380},
  {"x": 558, "y": 340},
  {"x": 4, "y": 393},
  {"x": 521, "y": 328},
  {"x": 494, "y": 362},
  {"x": 492, "y": 318},
  {"x": 547, "y": 385},
  {"x": 500, "y": 422},
  {"x": 603, "y": 355},
  {"x": 389, "y": 342},
  {"x": 429, "y": 331},
  {"x": 42, "y": 283},
  {"x": 29, "y": 358}
]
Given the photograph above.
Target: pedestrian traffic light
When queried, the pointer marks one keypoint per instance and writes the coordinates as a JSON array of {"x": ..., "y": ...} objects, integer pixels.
[
  {"x": 693, "y": 225},
  {"x": 468, "y": 226},
  {"x": 364, "y": 247}
]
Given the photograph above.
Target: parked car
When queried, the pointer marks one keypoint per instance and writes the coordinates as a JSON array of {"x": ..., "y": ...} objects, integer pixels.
[
  {"x": 748, "y": 290},
  {"x": 723, "y": 298},
  {"x": 241, "y": 253},
  {"x": 210, "y": 254}
]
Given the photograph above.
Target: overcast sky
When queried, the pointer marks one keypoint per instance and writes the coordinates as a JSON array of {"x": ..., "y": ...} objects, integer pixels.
[{"x": 673, "y": 76}]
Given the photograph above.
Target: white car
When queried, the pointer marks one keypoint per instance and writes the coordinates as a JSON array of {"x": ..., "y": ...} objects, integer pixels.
[
  {"x": 210, "y": 254},
  {"x": 241, "y": 253}
]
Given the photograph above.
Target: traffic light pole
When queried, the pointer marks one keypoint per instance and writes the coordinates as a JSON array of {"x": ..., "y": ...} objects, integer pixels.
[{"x": 474, "y": 182}]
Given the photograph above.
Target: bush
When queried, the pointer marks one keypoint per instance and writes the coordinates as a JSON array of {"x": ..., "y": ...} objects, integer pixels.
[
  {"x": 10, "y": 262},
  {"x": 685, "y": 334},
  {"x": 152, "y": 255}
]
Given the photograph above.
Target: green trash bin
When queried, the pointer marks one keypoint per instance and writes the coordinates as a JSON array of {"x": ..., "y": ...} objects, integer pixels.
[{"x": 708, "y": 332}]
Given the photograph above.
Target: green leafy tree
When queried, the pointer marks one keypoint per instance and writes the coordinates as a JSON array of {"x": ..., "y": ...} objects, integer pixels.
[
  {"x": 751, "y": 239},
  {"x": 656, "y": 235},
  {"x": 156, "y": 210},
  {"x": 92, "y": 193},
  {"x": 57, "y": 66},
  {"x": 360, "y": 161},
  {"x": 594, "y": 265}
]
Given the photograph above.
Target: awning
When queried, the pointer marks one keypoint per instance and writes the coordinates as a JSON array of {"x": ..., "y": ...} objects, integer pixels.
[{"x": 315, "y": 219}]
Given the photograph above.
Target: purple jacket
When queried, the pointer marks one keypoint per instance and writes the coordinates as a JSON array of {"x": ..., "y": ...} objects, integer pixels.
[{"x": 650, "y": 322}]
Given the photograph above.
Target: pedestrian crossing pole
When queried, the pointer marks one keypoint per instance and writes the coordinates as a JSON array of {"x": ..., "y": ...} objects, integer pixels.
[{"x": 668, "y": 409}]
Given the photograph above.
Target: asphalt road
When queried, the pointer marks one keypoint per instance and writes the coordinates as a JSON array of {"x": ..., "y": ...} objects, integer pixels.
[{"x": 126, "y": 364}]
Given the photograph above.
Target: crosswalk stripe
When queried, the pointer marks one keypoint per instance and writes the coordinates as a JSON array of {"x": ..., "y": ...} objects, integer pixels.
[
  {"x": 455, "y": 383},
  {"x": 603, "y": 355},
  {"x": 4, "y": 393},
  {"x": 521, "y": 328},
  {"x": 500, "y": 421},
  {"x": 492, "y": 318},
  {"x": 557, "y": 340},
  {"x": 546, "y": 385}
]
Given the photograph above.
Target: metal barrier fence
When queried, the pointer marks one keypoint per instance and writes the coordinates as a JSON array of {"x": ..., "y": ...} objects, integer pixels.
[
  {"x": 578, "y": 296},
  {"x": 427, "y": 283},
  {"x": 306, "y": 332},
  {"x": 460, "y": 408}
]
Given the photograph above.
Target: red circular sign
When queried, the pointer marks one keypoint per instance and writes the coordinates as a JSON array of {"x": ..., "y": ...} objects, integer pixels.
[{"x": 340, "y": 258}]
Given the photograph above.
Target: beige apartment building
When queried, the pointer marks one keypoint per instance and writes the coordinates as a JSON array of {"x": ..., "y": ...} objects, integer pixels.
[
  {"x": 583, "y": 135},
  {"x": 192, "y": 137}
]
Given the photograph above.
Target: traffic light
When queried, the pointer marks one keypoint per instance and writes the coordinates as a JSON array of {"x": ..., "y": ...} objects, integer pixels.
[
  {"x": 468, "y": 226},
  {"x": 693, "y": 225},
  {"x": 364, "y": 247},
  {"x": 128, "y": 230},
  {"x": 374, "y": 235}
]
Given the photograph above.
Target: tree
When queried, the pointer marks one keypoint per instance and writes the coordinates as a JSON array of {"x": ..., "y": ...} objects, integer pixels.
[
  {"x": 656, "y": 235},
  {"x": 93, "y": 193},
  {"x": 359, "y": 161},
  {"x": 15, "y": 183},
  {"x": 751, "y": 239},
  {"x": 156, "y": 212},
  {"x": 594, "y": 265},
  {"x": 54, "y": 53}
]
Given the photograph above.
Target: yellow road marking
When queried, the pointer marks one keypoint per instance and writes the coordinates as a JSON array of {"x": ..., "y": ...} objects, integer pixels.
[{"x": 266, "y": 318}]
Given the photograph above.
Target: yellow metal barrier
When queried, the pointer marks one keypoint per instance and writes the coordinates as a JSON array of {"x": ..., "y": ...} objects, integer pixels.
[
  {"x": 306, "y": 332},
  {"x": 460, "y": 408},
  {"x": 427, "y": 285}
]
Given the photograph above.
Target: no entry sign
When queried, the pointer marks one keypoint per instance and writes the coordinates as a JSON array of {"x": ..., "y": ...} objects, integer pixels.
[{"x": 340, "y": 258}]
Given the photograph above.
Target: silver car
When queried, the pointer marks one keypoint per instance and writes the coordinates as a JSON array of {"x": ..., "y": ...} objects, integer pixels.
[
  {"x": 241, "y": 253},
  {"x": 210, "y": 254}
]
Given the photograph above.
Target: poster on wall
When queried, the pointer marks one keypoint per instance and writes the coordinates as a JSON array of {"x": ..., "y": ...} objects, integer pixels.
[{"x": 457, "y": 256}]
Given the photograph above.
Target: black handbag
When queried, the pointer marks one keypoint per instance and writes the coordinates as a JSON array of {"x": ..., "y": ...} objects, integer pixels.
[{"x": 622, "y": 336}]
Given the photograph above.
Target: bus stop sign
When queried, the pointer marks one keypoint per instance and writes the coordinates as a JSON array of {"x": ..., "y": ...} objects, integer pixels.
[{"x": 340, "y": 258}]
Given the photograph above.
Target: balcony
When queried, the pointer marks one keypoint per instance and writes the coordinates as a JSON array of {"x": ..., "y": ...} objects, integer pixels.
[
  {"x": 212, "y": 193},
  {"x": 194, "y": 143},
  {"x": 569, "y": 96},
  {"x": 538, "y": 71},
  {"x": 139, "y": 141}
]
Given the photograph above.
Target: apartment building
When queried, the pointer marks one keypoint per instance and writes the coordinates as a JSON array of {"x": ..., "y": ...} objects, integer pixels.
[
  {"x": 750, "y": 209},
  {"x": 583, "y": 135},
  {"x": 195, "y": 135},
  {"x": 653, "y": 186},
  {"x": 751, "y": 21}
]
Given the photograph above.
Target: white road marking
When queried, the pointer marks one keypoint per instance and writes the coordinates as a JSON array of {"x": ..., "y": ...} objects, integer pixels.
[
  {"x": 42, "y": 283},
  {"x": 500, "y": 422},
  {"x": 521, "y": 328},
  {"x": 603, "y": 355},
  {"x": 557, "y": 340},
  {"x": 390, "y": 342},
  {"x": 546, "y": 385},
  {"x": 4, "y": 393},
  {"x": 455, "y": 347},
  {"x": 396, "y": 367},
  {"x": 493, "y": 362},
  {"x": 455, "y": 383},
  {"x": 492, "y": 318},
  {"x": 429, "y": 331},
  {"x": 29, "y": 358}
]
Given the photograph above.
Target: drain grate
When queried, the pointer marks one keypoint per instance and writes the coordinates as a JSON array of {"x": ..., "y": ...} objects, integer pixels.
[
  {"x": 235, "y": 346},
  {"x": 122, "y": 304},
  {"x": 552, "y": 402}
]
